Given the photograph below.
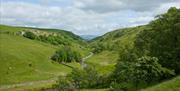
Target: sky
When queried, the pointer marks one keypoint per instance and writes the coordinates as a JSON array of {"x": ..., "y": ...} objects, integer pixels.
[{"x": 82, "y": 17}]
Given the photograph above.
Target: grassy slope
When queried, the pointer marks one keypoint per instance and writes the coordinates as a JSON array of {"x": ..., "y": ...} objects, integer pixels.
[
  {"x": 104, "y": 62},
  {"x": 26, "y": 60},
  {"x": 18, "y": 53},
  {"x": 76, "y": 41},
  {"x": 171, "y": 85},
  {"x": 116, "y": 40},
  {"x": 119, "y": 38}
]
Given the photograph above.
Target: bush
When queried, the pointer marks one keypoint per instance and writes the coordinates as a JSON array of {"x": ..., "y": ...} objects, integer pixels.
[
  {"x": 66, "y": 54},
  {"x": 29, "y": 35},
  {"x": 82, "y": 78},
  {"x": 64, "y": 84},
  {"x": 85, "y": 78},
  {"x": 121, "y": 87},
  {"x": 162, "y": 40},
  {"x": 141, "y": 72}
]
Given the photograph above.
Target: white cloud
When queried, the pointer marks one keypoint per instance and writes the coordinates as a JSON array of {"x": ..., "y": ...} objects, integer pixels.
[
  {"x": 104, "y": 6},
  {"x": 82, "y": 16},
  {"x": 164, "y": 7}
]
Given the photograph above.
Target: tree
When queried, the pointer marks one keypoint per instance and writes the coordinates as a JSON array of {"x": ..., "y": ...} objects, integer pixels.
[
  {"x": 64, "y": 84},
  {"x": 81, "y": 78},
  {"x": 29, "y": 35},
  {"x": 144, "y": 70},
  {"x": 66, "y": 54},
  {"x": 162, "y": 39},
  {"x": 85, "y": 78}
]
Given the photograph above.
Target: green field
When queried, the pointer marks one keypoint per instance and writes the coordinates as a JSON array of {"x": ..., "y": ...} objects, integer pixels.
[
  {"x": 104, "y": 62},
  {"x": 94, "y": 90},
  {"x": 171, "y": 85},
  {"x": 26, "y": 60}
]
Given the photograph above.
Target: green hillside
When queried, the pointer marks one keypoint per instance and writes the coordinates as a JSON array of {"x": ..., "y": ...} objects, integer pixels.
[
  {"x": 171, "y": 85},
  {"x": 65, "y": 35},
  {"x": 25, "y": 59},
  {"x": 108, "y": 47},
  {"x": 117, "y": 39}
]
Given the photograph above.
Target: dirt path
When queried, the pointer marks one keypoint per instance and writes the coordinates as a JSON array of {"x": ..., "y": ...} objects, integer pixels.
[
  {"x": 26, "y": 84},
  {"x": 83, "y": 64}
]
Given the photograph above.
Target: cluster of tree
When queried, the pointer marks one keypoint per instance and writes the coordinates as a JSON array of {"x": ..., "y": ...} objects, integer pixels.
[
  {"x": 155, "y": 56},
  {"x": 66, "y": 54},
  {"x": 133, "y": 72},
  {"x": 81, "y": 78},
  {"x": 97, "y": 48},
  {"x": 30, "y": 35},
  {"x": 163, "y": 39},
  {"x": 55, "y": 40}
]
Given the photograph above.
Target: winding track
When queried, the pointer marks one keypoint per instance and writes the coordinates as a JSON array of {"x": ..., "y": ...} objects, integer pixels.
[
  {"x": 25, "y": 84},
  {"x": 83, "y": 64}
]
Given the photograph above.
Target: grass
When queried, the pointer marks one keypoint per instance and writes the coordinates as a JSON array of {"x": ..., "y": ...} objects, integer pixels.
[
  {"x": 104, "y": 62},
  {"x": 171, "y": 85},
  {"x": 34, "y": 87},
  {"x": 25, "y": 60},
  {"x": 94, "y": 90},
  {"x": 5, "y": 28},
  {"x": 119, "y": 39}
]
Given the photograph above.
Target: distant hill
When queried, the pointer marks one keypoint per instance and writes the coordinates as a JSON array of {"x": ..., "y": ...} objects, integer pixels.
[{"x": 88, "y": 37}]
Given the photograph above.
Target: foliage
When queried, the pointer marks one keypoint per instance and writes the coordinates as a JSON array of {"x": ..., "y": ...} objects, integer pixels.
[
  {"x": 66, "y": 54},
  {"x": 123, "y": 86},
  {"x": 64, "y": 84},
  {"x": 163, "y": 39},
  {"x": 88, "y": 78},
  {"x": 143, "y": 71},
  {"x": 55, "y": 40},
  {"x": 154, "y": 56},
  {"x": 29, "y": 35},
  {"x": 83, "y": 78}
]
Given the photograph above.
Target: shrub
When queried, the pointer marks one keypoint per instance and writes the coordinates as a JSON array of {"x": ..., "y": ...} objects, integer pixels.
[
  {"x": 121, "y": 87},
  {"x": 29, "y": 35},
  {"x": 82, "y": 78},
  {"x": 141, "y": 72},
  {"x": 66, "y": 54},
  {"x": 162, "y": 40},
  {"x": 64, "y": 84}
]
